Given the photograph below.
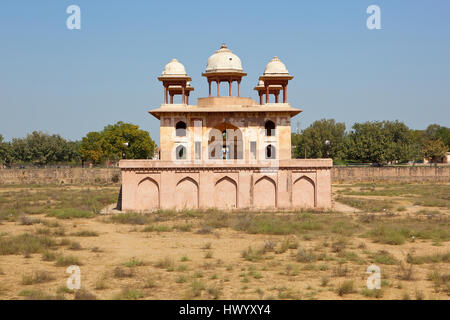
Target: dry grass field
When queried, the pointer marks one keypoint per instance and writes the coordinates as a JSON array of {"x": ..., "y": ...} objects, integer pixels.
[{"x": 402, "y": 228}]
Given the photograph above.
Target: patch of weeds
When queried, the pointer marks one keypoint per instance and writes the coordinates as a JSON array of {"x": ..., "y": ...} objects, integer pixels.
[
  {"x": 83, "y": 294},
  {"x": 345, "y": 287},
  {"x": 374, "y": 293},
  {"x": 166, "y": 263},
  {"x": 25, "y": 243},
  {"x": 134, "y": 262},
  {"x": 306, "y": 256},
  {"x": 65, "y": 261},
  {"x": 75, "y": 246},
  {"x": 37, "y": 277},
  {"x": 383, "y": 257},
  {"x": 433, "y": 258},
  {"x": 123, "y": 273},
  {"x": 405, "y": 271},
  {"x": 130, "y": 218},
  {"x": 85, "y": 233},
  {"x": 70, "y": 213},
  {"x": 252, "y": 255},
  {"x": 129, "y": 293}
]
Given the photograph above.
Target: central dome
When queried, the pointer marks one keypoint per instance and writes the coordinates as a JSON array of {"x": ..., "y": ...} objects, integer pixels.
[{"x": 224, "y": 60}]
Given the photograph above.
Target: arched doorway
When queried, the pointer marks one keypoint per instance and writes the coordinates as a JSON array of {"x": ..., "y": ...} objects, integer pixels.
[
  {"x": 148, "y": 195},
  {"x": 186, "y": 194},
  {"x": 264, "y": 193},
  {"x": 303, "y": 193},
  {"x": 225, "y": 193},
  {"x": 225, "y": 142}
]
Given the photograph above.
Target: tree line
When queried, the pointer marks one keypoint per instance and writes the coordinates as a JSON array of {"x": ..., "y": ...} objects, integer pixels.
[
  {"x": 380, "y": 142},
  {"x": 369, "y": 142},
  {"x": 114, "y": 142}
]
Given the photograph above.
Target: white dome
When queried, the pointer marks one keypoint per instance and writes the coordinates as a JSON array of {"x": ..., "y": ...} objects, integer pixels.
[
  {"x": 275, "y": 66},
  {"x": 224, "y": 60},
  {"x": 174, "y": 67}
]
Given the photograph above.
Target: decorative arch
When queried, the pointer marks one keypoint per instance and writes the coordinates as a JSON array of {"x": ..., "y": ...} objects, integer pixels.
[
  {"x": 180, "y": 152},
  {"x": 225, "y": 193},
  {"x": 180, "y": 129},
  {"x": 186, "y": 194},
  {"x": 269, "y": 127},
  {"x": 304, "y": 193},
  {"x": 271, "y": 152},
  {"x": 265, "y": 193},
  {"x": 225, "y": 142},
  {"x": 148, "y": 194}
]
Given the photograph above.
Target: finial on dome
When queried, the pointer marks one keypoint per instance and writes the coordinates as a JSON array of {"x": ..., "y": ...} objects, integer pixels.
[{"x": 223, "y": 46}]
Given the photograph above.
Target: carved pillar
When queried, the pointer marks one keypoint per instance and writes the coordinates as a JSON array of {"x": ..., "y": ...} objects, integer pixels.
[
  {"x": 239, "y": 88},
  {"x": 209, "y": 85},
  {"x": 230, "y": 86},
  {"x": 276, "y": 96},
  {"x": 165, "y": 93},
  {"x": 284, "y": 93},
  {"x": 183, "y": 93},
  {"x": 267, "y": 92},
  {"x": 218, "y": 88}
]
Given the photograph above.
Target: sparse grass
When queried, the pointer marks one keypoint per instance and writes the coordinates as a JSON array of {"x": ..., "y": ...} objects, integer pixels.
[
  {"x": 130, "y": 218},
  {"x": 372, "y": 293},
  {"x": 70, "y": 213},
  {"x": 166, "y": 263},
  {"x": 367, "y": 205},
  {"x": 345, "y": 287},
  {"x": 252, "y": 255},
  {"x": 85, "y": 233},
  {"x": 129, "y": 293},
  {"x": 306, "y": 256},
  {"x": 123, "y": 273},
  {"x": 37, "y": 277},
  {"x": 157, "y": 228},
  {"x": 102, "y": 282},
  {"x": 383, "y": 257},
  {"x": 134, "y": 262},
  {"x": 75, "y": 246},
  {"x": 405, "y": 271},
  {"x": 25, "y": 243},
  {"x": 433, "y": 258},
  {"x": 83, "y": 294},
  {"x": 65, "y": 261}
]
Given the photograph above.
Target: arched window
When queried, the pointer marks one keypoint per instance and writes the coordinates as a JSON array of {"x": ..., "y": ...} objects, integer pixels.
[
  {"x": 270, "y": 152},
  {"x": 180, "y": 129},
  {"x": 270, "y": 128},
  {"x": 181, "y": 152}
]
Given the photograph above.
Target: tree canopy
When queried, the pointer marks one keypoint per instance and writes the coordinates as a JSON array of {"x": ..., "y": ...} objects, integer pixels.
[{"x": 115, "y": 142}]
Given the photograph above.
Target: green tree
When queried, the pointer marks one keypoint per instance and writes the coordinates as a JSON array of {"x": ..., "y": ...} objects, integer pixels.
[
  {"x": 434, "y": 149},
  {"x": 40, "y": 148},
  {"x": 380, "y": 142},
  {"x": 322, "y": 139},
  {"x": 114, "y": 142}
]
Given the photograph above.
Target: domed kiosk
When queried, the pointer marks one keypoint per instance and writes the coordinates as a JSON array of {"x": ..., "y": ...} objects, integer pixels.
[{"x": 228, "y": 152}]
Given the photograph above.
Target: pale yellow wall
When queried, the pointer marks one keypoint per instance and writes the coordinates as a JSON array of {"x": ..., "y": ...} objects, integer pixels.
[{"x": 251, "y": 126}]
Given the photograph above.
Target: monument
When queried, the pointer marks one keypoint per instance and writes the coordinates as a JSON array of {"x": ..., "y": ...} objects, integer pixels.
[{"x": 226, "y": 152}]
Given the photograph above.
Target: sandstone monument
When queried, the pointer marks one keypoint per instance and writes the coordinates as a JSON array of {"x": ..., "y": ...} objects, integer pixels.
[{"x": 226, "y": 152}]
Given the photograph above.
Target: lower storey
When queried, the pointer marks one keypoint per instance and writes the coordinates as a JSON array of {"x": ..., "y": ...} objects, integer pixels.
[{"x": 155, "y": 185}]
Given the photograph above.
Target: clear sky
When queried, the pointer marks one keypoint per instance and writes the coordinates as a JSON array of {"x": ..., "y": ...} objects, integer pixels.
[{"x": 74, "y": 81}]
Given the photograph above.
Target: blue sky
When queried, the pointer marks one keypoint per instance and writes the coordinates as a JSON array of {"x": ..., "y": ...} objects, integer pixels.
[{"x": 74, "y": 81}]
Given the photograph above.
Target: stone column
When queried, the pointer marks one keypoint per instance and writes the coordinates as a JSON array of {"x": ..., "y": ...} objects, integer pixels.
[
  {"x": 267, "y": 92},
  {"x": 284, "y": 93}
]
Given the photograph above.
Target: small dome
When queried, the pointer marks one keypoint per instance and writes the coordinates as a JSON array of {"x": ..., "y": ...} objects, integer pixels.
[
  {"x": 260, "y": 83},
  {"x": 275, "y": 66},
  {"x": 174, "y": 67},
  {"x": 224, "y": 60}
]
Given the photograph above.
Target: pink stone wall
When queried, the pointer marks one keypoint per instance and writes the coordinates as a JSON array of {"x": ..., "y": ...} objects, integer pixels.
[{"x": 149, "y": 185}]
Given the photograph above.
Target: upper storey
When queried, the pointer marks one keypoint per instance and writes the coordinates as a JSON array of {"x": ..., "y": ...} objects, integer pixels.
[{"x": 225, "y": 66}]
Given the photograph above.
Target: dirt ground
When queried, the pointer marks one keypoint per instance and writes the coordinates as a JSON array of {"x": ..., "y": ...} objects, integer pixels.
[{"x": 122, "y": 261}]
